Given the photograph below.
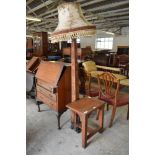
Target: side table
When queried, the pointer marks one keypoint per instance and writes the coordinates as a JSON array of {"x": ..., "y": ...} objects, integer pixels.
[{"x": 84, "y": 107}]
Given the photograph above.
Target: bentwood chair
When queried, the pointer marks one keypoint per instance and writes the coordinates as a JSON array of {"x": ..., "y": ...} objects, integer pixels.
[{"x": 110, "y": 94}]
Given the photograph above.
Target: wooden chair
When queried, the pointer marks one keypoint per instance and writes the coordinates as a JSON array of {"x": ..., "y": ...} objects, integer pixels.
[{"x": 109, "y": 93}]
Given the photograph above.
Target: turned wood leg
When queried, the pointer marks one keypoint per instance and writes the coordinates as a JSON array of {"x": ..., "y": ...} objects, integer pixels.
[
  {"x": 101, "y": 119},
  {"x": 84, "y": 131},
  {"x": 112, "y": 116},
  {"x": 128, "y": 113}
]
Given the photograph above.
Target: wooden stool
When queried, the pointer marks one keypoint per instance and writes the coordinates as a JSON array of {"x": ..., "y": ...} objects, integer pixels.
[{"x": 84, "y": 107}]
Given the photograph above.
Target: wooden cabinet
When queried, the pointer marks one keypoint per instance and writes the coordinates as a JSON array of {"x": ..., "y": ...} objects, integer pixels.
[
  {"x": 29, "y": 43},
  {"x": 53, "y": 86},
  {"x": 40, "y": 44}
]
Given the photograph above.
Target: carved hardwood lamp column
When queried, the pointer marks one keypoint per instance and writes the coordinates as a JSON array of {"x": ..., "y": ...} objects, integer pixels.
[{"x": 72, "y": 24}]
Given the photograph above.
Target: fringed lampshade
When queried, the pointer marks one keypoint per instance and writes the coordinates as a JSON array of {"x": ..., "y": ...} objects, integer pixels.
[{"x": 72, "y": 24}]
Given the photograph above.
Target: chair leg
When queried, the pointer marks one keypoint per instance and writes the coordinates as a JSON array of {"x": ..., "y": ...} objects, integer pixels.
[
  {"x": 112, "y": 116},
  {"x": 128, "y": 113}
]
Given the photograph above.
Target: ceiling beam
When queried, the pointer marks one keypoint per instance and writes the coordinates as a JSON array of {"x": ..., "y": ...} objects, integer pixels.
[
  {"x": 29, "y": 1},
  {"x": 92, "y": 2},
  {"x": 107, "y": 15},
  {"x": 40, "y": 6},
  {"x": 108, "y": 6},
  {"x": 94, "y": 9},
  {"x": 89, "y": 18},
  {"x": 54, "y": 10}
]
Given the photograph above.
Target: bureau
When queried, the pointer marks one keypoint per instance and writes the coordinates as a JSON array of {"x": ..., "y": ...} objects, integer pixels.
[{"x": 53, "y": 86}]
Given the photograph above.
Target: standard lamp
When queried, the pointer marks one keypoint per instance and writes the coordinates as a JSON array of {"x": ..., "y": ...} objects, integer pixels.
[{"x": 71, "y": 25}]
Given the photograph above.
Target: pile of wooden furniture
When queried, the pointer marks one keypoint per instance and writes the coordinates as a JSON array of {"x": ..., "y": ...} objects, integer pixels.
[
  {"x": 81, "y": 52},
  {"x": 52, "y": 82},
  {"x": 31, "y": 68}
]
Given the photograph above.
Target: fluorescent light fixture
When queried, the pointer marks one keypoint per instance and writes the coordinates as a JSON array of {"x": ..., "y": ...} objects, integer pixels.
[
  {"x": 108, "y": 32},
  {"x": 34, "y": 19},
  {"x": 29, "y": 36}
]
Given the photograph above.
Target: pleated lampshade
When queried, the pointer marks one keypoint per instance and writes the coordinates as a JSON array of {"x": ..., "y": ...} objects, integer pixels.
[{"x": 71, "y": 23}]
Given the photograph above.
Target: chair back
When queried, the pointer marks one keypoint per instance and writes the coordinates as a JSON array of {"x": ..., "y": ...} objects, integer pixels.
[
  {"x": 108, "y": 85},
  {"x": 89, "y": 66}
]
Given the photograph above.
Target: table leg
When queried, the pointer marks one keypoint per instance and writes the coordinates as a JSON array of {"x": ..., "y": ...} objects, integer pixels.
[
  {"x": 84, "y": 130},
  {"x": 73, "y": 119},
  {"x": 101, "y": 119}
]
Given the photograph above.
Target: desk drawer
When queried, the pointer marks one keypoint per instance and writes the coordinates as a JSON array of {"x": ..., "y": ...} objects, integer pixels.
[
  {"x": 46, "y": 92},
  {"x": 52, "y": 104}
]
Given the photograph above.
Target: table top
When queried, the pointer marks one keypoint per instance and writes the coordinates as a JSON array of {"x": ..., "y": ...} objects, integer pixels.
[{"x": 85, "y": 105}]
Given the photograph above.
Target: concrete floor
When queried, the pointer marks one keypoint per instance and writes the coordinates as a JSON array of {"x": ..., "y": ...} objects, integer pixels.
[{"x": 43, "y": 137}]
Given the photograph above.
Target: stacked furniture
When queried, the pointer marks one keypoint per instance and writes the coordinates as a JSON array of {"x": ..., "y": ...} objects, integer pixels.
[
  {"x": 53, "y": 86},
  {"x": 29, "y": 48},
  {"x": 31, "y": 68},
  {"x": 81, "y": 52},
  {"x": 40, "y": 44},
  {"x": 123, "y": 62},
  {"x": 102, "y": 57}
]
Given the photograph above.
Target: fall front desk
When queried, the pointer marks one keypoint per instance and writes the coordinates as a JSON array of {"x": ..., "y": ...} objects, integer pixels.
[{"x": 53, "y": 86}]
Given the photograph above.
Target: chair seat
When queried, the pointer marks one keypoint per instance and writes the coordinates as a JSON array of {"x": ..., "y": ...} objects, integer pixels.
[
  {"x": 96, "y": 73},
  {"x": 122, "y": 99}
]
